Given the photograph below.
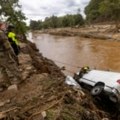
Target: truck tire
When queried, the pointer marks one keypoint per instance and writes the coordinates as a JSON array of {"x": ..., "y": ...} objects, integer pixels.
[{"x": 96, "y": 90}]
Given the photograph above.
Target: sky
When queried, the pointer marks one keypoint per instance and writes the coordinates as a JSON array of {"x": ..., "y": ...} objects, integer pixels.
[{"x": 39, "y": 9}]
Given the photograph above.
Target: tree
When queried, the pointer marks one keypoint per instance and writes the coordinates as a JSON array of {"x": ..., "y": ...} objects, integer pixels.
[
  {"x": 33, "y": 25},
  {"x": 11, "y": 10},
  {"x": 78, "y": 19},
  {"x": 36, "y": 25},
  {"x": 57, "y": 22},
  {"x": 65, "y": 21},
  {"x": 111, "y": 7},
  {"x": 54, "y": 22},
  {"x": 46, "y": 23},
  {"x": 92, "y": 10}
]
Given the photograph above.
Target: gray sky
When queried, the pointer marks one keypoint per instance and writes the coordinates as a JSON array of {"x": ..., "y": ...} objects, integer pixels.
[{"x": 39, "y": 9}]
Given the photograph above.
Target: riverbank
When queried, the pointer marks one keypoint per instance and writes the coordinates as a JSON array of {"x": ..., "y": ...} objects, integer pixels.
[
  {"x": 104, "y": 32},
  {"x": 43, "y": 94}
]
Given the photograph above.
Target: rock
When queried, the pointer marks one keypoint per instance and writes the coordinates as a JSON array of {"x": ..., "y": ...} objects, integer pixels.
[
  {"x": 13, "y": 87},
  {"x": 2, "y": 104},
  {"x": 40, "y": 116},
  {"x": 105, "y": 119},
  {"x": 25, "y": 75},
  {"x": 29, "y": 68},
  {"x": 44, "y": 114},
  {"x": 23, "y": 45},
  {"x": 63, "y": 68},
  {"x": 1, "y": 89},
  {"x": 24, "y": 59},
  {"x": 5, "y": 102},
  {"x": 82, "y": 94},
  {"x": 44, "y": 74},
  {"x": 2, "y": 116}
]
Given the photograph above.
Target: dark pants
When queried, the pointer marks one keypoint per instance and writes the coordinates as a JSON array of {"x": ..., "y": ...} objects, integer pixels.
[{"x": 16, "y": 48}]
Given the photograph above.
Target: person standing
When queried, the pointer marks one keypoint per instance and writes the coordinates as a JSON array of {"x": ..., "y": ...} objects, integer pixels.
[
  {"x": 9, "y": 72},
  {"x": 13, "y": 39}
]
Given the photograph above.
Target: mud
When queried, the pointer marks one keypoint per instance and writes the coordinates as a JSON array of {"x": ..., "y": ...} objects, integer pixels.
[
  {"x": 97, "y": 31},
  {"x": 43, "y": 95}
]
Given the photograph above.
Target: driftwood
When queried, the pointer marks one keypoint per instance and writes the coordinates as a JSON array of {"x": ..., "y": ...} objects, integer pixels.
[
  {"x": 39, "y": 112},
  {"x": 95, "y": 36},
  {"x": 50, "y": 106},
  {"x": 81, "y": 34},
  {"x": 3, "y": 114}
]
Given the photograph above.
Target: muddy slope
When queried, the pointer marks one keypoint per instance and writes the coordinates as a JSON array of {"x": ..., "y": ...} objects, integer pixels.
[{"x": 43, "y": 95}]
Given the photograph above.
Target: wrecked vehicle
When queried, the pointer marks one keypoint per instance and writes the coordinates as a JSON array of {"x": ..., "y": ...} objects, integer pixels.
[{"x": 106, "y": 82}]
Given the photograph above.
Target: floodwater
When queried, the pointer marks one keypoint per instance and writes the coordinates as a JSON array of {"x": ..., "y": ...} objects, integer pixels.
[{"x": 75, "y": 52}]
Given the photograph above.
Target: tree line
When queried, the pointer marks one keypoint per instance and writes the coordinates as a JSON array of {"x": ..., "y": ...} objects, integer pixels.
[
  {"x": 96, "y": 11},
  {"x": 57, "y": 22},
  {"x": 102, "y": 11}
]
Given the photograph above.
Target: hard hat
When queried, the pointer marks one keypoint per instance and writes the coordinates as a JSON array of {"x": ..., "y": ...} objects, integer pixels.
[{"x": 86, "y": 67}]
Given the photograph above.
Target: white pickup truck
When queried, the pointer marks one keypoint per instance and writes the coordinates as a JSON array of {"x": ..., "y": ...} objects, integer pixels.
[{"x": 102, "y": 81}]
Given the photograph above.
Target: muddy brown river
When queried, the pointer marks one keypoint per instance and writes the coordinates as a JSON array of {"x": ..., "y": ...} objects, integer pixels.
[{"x": 74, "y": 52}]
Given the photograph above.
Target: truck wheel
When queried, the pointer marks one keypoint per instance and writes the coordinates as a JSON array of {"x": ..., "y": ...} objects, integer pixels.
[{"x": 97, "y": 90}]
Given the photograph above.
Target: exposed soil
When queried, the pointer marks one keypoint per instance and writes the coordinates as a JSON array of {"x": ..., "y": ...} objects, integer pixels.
[
  {"x": 103, "y": 32},
  {"x": 43, "y": 95}
]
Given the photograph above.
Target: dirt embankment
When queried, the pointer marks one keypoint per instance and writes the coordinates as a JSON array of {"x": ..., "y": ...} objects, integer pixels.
[
  {"x": 43, "y": 95},
  {"x": 104, "y": 32}
]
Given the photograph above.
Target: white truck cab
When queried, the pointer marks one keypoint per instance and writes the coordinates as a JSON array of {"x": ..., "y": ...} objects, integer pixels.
[{"x": 102, "y": 81}]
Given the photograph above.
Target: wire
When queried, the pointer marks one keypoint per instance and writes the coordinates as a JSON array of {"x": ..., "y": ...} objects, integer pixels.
[
  {"x": 66, "y": 64},
  {"x": 70, "y": 71}
]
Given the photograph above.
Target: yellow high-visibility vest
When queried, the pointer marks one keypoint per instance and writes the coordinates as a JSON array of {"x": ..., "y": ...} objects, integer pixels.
[{"x": 12, "y": 36}]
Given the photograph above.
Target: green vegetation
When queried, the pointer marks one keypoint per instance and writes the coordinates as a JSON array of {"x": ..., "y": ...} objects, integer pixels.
[
  {"x": 10, "y": 11},
  {"x": 57, "y": 22},
  {"x": 92, "y": 10},
  {"x": 96, "y": 11},
  {"x": 112, "y": 9},
  {"x": 103, "y": 10}
]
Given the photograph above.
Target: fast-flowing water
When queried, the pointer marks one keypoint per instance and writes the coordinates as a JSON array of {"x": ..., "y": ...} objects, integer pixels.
[{"x": 77, "y": 52}]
